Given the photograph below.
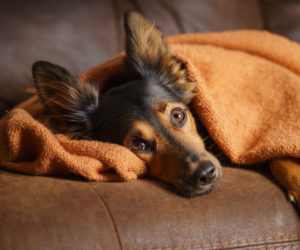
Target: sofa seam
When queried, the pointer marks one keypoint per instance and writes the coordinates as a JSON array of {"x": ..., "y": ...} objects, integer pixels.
[
  {"x": 109, "y": 213},
  {"x": 231, "y": 243}
]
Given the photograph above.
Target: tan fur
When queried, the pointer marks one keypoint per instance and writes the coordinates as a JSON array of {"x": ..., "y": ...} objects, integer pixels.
[
  {"x": 67, "y": 99},
  {"x": 163, "y": 161},
  {"x": 145, "y": 44}
]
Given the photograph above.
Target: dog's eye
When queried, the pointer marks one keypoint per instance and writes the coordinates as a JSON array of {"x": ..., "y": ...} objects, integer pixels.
[
  {"x": 178, "y": 117},
  {"x": 140, "y": 145}
]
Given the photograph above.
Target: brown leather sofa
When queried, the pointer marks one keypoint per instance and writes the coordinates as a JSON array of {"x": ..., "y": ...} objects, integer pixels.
[{"x": 247, "y": 210}]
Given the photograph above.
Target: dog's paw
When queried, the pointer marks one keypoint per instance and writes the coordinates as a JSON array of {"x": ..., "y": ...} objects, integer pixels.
[
  {"x": 291, "y": 198},
  {"x": 287, "y": 173}
]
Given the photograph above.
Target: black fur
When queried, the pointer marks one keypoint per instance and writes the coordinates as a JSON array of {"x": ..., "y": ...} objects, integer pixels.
[
  {"x": 82, "y": 112},
  {"x": 153, "y": 76},
  {"x": 69, "y": 103}
]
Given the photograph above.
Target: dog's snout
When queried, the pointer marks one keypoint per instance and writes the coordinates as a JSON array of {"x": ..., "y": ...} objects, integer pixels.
[
  {"x": 205, "y": 173},
  {"x": 192, "y": 158}
]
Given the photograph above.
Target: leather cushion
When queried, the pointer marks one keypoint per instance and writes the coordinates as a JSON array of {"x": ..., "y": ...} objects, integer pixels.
[
  {"x": 282, "y": 17},
  {"x": 247, "y": 209},
  {"x": 82, "y": 34}
]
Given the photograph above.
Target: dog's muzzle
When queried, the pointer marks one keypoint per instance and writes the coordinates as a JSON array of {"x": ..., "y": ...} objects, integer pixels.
[
  {"x": 200, "y": 174},
  {"x": 204, "y": 174}
]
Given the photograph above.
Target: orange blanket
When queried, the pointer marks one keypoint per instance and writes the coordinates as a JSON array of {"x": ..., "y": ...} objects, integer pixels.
[{"x": 247, "y": 96}]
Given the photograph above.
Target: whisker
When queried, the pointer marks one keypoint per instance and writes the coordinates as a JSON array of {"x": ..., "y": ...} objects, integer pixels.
[{"x": 206, "y": 138}]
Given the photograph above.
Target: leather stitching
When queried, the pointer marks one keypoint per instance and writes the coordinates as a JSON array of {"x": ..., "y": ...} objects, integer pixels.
[{"x": 227, "y": 244}]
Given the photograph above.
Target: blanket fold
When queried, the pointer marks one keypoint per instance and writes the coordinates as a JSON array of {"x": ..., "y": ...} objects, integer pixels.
[
  {"x": 247, "y": 90},
  {"x": 247, "y": 96},
  {"x": 28, "y": 146}
]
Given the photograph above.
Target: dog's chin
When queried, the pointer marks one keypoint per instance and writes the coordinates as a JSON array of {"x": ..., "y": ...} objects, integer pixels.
[{"x": 189, "y": 190}]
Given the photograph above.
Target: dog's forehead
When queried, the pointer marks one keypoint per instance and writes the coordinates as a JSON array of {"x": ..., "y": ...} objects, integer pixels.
[
  {"x": 141, "y": 94},
  {"x": 121, "y": 106}
]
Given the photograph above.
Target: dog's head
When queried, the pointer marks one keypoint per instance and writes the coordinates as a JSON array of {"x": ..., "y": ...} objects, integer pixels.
[{"x": 148, "y": 114}]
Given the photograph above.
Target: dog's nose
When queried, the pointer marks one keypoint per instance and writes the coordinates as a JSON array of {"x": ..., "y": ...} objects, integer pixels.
[{"x": 205, "y": 173}]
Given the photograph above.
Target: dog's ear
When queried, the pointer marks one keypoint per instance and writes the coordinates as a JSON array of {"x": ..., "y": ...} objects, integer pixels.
[
  {"x": 68, "y": 102},
  {"x": 147, "y": 55}
]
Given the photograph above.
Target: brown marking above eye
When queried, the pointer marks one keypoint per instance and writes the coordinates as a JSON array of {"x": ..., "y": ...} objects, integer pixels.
[{"x": 161, "y": 107}]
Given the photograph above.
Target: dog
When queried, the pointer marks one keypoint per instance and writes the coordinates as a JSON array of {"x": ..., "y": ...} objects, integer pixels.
[{"x": 149, "y": 113}]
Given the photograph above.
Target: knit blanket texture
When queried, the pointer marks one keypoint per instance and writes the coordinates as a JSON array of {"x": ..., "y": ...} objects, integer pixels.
[{"x": 247, "y": 96}]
